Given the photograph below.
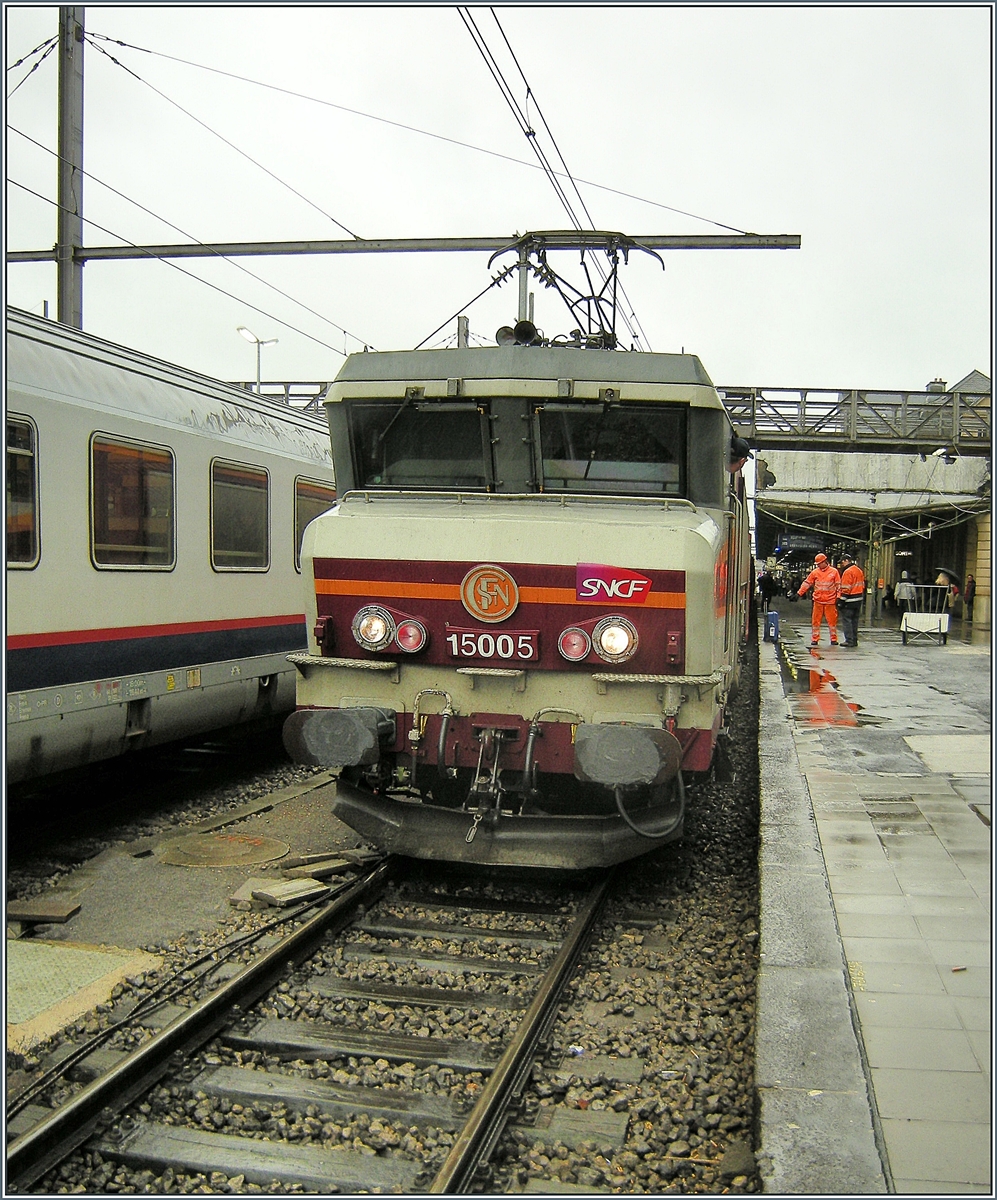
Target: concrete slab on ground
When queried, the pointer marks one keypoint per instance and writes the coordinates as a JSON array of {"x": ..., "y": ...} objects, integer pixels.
[
  {"x": 131, "y": 902},
  {"x": 50, "y": 986},
  {"x": 817, "y": 1131},
  {"x": 136, "y": 901},
  {"x": 949, "y": 753}
]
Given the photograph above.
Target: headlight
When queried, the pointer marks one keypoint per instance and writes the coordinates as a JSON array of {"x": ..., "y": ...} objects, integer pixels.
[
  {"x": 410, "y": 635},
  {"x": 373, "y": 627},
  {"x": 574, "y": 644},
  {"x": 614, "y": 639}
]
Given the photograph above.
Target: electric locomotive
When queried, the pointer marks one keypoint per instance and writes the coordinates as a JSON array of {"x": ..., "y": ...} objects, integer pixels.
[{"x": 527, "y": 605}]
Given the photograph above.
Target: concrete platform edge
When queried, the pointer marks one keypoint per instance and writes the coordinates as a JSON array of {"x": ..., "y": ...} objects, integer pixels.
[{"x": 816, "y": 1121}]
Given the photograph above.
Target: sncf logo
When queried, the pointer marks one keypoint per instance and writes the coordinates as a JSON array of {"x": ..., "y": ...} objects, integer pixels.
[{"x": 594, "y": 582}]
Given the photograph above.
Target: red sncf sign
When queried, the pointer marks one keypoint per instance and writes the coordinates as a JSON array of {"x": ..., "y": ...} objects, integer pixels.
[{"x": 618, "y": 585}]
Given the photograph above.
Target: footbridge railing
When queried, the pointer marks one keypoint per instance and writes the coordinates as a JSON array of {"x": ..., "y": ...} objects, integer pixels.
[{"x": 872, "y": 421}]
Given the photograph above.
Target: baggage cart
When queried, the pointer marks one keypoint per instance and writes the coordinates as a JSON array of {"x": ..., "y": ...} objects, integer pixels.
[{"x": 928, "y": 615}]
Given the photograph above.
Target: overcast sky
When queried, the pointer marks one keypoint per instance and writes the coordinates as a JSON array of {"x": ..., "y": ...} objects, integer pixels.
[{"x": 866, "y": 130}]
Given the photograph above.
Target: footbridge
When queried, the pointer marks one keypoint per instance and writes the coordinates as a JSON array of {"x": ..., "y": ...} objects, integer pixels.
[
  {"x": 902, "y": 477},
  {"x": 876, "y": 422}
]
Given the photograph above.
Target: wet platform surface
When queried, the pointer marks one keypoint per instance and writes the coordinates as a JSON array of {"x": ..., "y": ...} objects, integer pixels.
[{"x": 874, "y": 1044}]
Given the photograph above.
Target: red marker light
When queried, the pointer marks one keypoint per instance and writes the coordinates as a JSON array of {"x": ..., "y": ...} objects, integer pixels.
[
  {"x": 574, "y": 644},
  {"x": 410, "y": 636}
]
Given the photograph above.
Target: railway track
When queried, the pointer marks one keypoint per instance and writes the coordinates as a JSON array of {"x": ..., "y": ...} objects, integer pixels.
[{"x": 460, "y": 958}]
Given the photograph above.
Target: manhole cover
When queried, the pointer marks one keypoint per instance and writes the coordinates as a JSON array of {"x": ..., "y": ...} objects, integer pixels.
[{"x": 222, "y": 850}]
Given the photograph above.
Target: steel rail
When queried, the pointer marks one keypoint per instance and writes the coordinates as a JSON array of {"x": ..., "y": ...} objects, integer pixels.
[
  {"x": 484, "y": 1124},
  {"x": 52, "y": 1139}
]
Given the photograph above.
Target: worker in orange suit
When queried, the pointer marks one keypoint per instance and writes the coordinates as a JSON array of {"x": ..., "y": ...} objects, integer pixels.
[
  {"x": 851, "y": 598},
  {"x": 826, "y": 583}
]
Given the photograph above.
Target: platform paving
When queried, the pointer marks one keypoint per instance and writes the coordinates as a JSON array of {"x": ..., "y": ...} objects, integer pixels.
[
  {"x": 874, "y": 1057},
  {"x": 49, "y": 986}
]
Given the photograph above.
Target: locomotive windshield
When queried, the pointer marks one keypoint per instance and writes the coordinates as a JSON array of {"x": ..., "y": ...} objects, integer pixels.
[
  {"x": 419, "y": 445},
  {"x": 621, "y": 449},
  {"x": 628, "y": 448}
]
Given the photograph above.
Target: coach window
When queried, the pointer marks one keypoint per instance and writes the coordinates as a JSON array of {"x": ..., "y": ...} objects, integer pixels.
[
  {"x": 131, "y": 505},
  {"x": 22, "y": 494},
  {"x": 623, "y": 449},
  {"x": 240, "y": 517},
  {"x": 310, "y": 500}
]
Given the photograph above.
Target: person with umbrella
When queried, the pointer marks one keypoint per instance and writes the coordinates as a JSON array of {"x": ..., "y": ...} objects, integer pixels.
[{"x": 947, "y": 578}]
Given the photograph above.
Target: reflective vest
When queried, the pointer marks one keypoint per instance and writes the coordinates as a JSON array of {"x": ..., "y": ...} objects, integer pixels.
[
  {"x": 826, "y": 583},
  {"x": 852, "y": 583}
]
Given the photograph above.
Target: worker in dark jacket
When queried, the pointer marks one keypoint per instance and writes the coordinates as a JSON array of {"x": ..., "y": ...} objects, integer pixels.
[
  {"x": 826, "y": 583},
  {"x": 850, "y": 600},
  {"x": 968, "y": 596},
  {"x": 768, "y": 588}
]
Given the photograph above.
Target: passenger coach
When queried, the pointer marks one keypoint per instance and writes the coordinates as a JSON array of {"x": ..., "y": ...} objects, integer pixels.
[{"x": 154, "y": 519}]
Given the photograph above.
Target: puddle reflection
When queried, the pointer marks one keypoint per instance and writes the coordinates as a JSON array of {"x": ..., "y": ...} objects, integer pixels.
[{"x": 813, "y": 691}]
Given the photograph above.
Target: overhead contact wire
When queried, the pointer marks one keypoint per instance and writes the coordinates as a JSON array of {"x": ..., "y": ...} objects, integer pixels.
[
  {"x": 408, "y": 128},
  {"x": 637, "y": 333},
  {"x": 521, "y": 119},
  {"x": 529, "y": 95},
  {"x": 631, "y": 322},
  {"x": 528, "y": 131},
  {"x": 214, "y": 287},
  {"x": 197, "y": 241},
  {"x": 222, "y": 138}
]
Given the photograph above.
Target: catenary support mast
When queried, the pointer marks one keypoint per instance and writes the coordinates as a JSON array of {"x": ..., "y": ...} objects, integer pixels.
[{"x": 69, "y": 238}]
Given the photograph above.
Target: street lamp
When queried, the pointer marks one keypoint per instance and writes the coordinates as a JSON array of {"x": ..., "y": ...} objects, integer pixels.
[{"x": 251, "y": 337}]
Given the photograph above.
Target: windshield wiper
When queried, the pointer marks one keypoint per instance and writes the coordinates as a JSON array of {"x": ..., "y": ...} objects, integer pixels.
[
  {"x": 598, "y": 434},
  {"x": 411, "y": 394}
]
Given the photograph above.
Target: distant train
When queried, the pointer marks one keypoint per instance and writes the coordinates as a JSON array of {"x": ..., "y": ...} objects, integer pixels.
[
  {"x": 528, "y": 603},
  {"x": 154, "y": 523}
]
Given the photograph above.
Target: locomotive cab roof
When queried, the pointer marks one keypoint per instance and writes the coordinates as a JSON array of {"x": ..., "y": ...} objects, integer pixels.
[{"x": 554, "y": 371}]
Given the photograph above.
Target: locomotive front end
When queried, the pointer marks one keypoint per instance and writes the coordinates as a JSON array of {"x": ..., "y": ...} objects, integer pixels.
[{"x": 523, "y": 606}]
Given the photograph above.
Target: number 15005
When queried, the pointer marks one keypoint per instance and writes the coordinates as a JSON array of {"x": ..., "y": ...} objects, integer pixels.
[{"x": 520, "y": 645}]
